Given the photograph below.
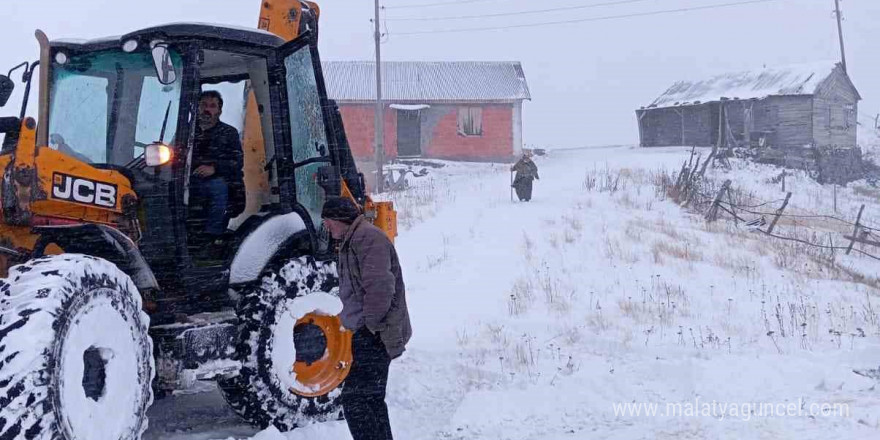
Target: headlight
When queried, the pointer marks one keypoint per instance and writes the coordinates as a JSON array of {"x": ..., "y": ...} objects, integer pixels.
[{"x": 157, "y": 154}]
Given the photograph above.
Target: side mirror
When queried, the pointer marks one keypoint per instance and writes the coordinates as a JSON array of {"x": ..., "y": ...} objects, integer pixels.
[
  {"x": 6, "y": 88},
  {"x": 164, "y": 66},
  {"x": 329, "y": 179}
]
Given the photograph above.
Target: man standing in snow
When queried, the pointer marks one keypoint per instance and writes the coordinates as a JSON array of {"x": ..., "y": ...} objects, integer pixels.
[
  {"x": 374, "y": 308},
  {"x": 526, "y": 173}
]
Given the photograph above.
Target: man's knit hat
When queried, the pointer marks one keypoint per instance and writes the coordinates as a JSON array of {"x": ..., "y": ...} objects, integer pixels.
[{"x": 341, "y": 209}]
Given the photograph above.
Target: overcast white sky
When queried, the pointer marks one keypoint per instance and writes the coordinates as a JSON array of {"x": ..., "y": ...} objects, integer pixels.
[{"x": 586, "y": 78}]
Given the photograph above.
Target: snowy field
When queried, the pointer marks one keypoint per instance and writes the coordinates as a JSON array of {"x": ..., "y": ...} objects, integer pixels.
[
  {"x": 541, "y": 320},
  {"x": 869, "y": 137}
]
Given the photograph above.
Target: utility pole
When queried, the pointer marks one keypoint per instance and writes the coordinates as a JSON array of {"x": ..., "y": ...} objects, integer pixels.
[
  {"x": 840, "y": 33},
  {"x": 380, "y": 108}
]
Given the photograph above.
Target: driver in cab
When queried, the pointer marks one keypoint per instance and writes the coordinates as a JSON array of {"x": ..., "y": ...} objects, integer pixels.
[{"x": 217, "y": 181}]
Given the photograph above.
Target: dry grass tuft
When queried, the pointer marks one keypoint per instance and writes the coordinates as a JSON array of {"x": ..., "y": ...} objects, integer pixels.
[
  {"x": 521, "y": 297},
  {"x": 872, "y": 193},
  {"x": 597, "y": 322},
  {"x": 683, "y": 251}
]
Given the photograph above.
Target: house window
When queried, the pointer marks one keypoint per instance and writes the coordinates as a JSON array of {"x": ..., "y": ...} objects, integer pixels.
[
  {"x": 849, "y": 111},
  {"x": 470, "y": 121},
  {"x": 838, "y": 116}
]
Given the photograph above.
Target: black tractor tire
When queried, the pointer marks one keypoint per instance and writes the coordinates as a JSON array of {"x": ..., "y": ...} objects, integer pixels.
[
  {"x": 258, "y": 393},
  {"x": 76, "y": 361}
]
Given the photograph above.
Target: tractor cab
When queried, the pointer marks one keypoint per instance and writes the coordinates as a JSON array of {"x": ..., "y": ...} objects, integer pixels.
[{"x": 120, "y": 122}]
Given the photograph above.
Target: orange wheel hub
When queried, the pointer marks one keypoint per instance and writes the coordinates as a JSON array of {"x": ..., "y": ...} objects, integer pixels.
[{"x": 322, "y": 371}]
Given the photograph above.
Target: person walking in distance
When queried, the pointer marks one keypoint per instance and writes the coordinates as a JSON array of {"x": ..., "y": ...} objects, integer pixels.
[
  {"x": 374, "y": 309},
  {"x": 526, "y": 173}
]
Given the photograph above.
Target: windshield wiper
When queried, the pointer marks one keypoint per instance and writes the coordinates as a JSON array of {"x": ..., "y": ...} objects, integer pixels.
[
  {"x": 165, "y": 123},
  {"x": 140, "y": 161}
]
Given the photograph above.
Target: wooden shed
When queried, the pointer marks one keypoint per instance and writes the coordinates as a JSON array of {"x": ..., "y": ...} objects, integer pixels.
[{"x": 814, "y": 105}]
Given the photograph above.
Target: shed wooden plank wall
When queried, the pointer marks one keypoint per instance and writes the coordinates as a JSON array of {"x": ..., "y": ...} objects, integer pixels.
[
  {"x": 737, "y": 121},
  {"x": 827, "y": 118},
  {"x": 674, "y": 126},
  {"x": 835, "y": 109},
  {"x": 788, "y": 118},
  {"x": 696, "y": 119},
  {"x": 659, "y": 127}
]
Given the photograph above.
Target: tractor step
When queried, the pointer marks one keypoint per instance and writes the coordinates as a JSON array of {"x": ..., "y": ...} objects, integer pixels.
[
  {"x": 200, "y": 348},
  {"x": 213, "y": 370}
]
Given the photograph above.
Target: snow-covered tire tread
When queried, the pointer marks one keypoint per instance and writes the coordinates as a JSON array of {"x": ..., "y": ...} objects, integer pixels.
[
  {"x": 256, "y": 394},
  {"x": 38, "y": 302}
]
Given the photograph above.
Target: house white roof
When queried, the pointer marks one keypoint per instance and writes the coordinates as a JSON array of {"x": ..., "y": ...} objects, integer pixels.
[
  {"x": 801, "y": 79},
  {"x": 408, "y": 81}
]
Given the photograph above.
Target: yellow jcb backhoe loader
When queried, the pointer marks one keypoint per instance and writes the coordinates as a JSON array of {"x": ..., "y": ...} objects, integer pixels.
[{"x": 106, "y": 300}]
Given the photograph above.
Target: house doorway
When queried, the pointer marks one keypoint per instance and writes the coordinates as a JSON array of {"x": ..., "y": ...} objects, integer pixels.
[{"x": 409, "y": 133}]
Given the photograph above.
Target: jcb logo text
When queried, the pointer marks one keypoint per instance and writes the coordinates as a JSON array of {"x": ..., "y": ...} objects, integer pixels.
[{"x": 82, "y": 190}]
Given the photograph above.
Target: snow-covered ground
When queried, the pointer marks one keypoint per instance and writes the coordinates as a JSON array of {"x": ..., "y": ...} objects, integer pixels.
[
  {"x": 540, "y": 320},
  {"x": 869, "y": 137}
]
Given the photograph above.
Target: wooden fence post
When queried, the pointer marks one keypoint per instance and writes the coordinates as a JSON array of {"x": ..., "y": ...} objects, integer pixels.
[
  {"x": 732, "y": 206},
  {"x": 778, "y": 213},
  {"x": 863, "y": 240},
  {"x": 712, "y": 214},
  {"x": 680, "y": 175},
  {"x": 835, "y": 198},
  {"x": 855, "y": 233}
]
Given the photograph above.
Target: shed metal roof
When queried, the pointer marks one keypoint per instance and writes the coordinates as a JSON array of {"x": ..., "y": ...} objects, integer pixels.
[
  {"x": 802, "y": 79},
  {"x": 409, "y": 81}
]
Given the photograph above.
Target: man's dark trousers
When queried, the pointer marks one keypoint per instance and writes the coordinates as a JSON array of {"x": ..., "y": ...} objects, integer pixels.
[
  {"x": 363, "y": 395},
  {"x": 213, "y": 193}
]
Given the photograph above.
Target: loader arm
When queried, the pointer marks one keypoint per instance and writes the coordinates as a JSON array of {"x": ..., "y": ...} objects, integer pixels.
[{"x": 289, "y": 19}]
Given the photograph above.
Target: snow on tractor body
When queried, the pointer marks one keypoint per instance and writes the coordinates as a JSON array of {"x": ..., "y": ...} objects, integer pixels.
[{"x": 110, "y": 294}]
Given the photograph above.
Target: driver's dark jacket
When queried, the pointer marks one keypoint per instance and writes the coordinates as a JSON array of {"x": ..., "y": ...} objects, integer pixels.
[{"x": 220, "y": 147}]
